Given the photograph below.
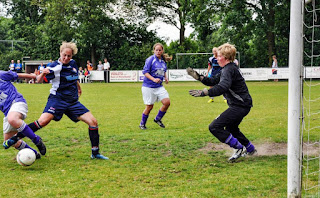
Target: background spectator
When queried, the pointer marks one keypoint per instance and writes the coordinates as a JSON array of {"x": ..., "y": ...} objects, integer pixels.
[
  {"x": 274, "y": 66},
  {"x": 89, "y": 66},
  {"x": 100, "y": 66},
  {"x": 18, "y": 67},
  {"x": 41, "y": 68},
  {"x": 106, "y": 68},
  {"x": 12, "y": 65},
  {"x": 86, "y": 75},
  {"x": 106, "y": 64},
  {"x": 81, "y": 75}
]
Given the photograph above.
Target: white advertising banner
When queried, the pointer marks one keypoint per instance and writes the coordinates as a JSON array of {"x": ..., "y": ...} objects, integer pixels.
[
  {"x": 180, "y": 75},
  {"x": 124, "y": 76},
  {"x": 312, "y": 72},
  {"x": 278, "y": 73},
  {"x": 254, "y": 73},
  {"x": 96, "y": 75},
  {"x": 249, "y": 74},
  {"x": 141, "y": 76}
]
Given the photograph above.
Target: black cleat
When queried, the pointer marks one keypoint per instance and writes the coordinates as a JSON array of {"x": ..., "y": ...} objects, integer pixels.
[
  {"x": 143, "y": 127},
  {"x": 237, "y": 154},
  {"x": 38, "y": 156},
  {"x": 159, "y": 123},
  {"x": 42, "y": 148}
]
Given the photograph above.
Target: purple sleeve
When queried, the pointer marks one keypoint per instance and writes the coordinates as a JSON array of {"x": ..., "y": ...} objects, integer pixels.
[
  {"x": 147, "y": 66},
  {"x": 8, "y": 75}
]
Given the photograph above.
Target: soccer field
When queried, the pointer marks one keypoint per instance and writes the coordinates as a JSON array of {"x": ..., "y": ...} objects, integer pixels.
[{"x": 182, "y": 160}]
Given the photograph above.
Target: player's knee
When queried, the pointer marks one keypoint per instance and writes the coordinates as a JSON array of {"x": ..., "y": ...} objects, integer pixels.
[
  {"x": 149, "y": 108},
  {"x": 13, "y": 121},
  {"x": 214, "y": 129},
  {"x": 93, "y": 122},
  {"x": 43, "y": 123}
]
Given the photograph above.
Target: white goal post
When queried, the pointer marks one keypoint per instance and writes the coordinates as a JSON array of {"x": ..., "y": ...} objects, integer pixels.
[{"x": 294, "y": 167}]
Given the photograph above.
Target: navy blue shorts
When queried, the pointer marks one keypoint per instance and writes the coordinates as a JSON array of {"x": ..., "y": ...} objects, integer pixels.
[{"x": 58, "y": 107}]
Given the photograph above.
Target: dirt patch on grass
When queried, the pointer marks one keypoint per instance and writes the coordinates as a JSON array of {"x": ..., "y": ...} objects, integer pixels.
[{"x": 265, "y": 149}]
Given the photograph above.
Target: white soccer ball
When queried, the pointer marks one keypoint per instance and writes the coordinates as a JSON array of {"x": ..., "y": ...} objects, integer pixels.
[{"x": 26, "y": 157}]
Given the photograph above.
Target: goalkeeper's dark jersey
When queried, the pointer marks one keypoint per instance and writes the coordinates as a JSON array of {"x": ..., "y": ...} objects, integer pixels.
[{"x": 231, "y": 85}]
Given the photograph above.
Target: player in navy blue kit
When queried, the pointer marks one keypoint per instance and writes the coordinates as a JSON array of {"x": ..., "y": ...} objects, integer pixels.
[
  {"x": 213, "y": 67},
  {"x": 64, "y": 97},
  {"x": 232, "y": 85},
  {"x": 15, "y": 109},
  {"x": 154, "y": 71}
]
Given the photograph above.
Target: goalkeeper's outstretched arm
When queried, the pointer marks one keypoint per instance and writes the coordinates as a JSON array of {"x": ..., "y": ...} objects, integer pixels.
[{"x": 209, "y": 81}]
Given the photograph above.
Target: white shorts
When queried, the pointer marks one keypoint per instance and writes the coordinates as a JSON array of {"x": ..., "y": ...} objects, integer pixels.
[
  {"x": 20, "y": 107},
  {"x": 152, "y": 95}
]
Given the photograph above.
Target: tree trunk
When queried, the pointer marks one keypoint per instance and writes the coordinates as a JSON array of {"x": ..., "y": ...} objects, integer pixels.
[
  {"x": 93, "y": 56},
  {"x": 270, "y": 19},
  {"x": 271, "y": 46},
  {"x": 182, "y": 31}
]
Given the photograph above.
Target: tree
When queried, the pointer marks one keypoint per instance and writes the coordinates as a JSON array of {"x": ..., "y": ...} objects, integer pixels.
[{"x": 173, "y": 12}]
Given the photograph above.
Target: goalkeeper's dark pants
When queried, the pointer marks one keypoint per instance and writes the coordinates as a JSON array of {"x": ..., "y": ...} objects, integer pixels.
[{"x": 228, "y": 123}]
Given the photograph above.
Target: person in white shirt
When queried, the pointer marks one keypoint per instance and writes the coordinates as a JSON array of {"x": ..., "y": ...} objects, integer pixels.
[
  {"x": 106, "y": 68},
  {"x": 106, "y": 64}
]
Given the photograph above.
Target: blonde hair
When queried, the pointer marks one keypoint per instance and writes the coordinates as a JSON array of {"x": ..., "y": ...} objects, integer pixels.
[
  {"x": 69, "y": 45},
  {"x": 214, "y": 49},
  {"x": 166, "y": 57},
  {"x": 228, "y": 51}
]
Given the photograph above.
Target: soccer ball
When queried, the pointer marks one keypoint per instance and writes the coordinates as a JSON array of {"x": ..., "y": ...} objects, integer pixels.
[{"x": 26, "y": 157}]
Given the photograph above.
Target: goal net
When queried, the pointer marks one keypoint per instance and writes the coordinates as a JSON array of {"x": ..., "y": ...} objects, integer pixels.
[{"x": 310, "y": 125}]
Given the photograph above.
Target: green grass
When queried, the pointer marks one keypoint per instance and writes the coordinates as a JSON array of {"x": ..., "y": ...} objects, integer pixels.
[{"x": 155, "y": 162}]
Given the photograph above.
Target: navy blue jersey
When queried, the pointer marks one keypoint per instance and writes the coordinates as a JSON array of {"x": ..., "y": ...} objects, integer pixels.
[
  {"x": 215, "y": 68},
  {"x": 64, "y": 80}
]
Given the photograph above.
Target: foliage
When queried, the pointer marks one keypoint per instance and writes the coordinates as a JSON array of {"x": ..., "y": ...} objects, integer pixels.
[
  {"x": 111, "y": 28},
  {"x": 173, "y": 12},
  {"x": 45, "y": 24}
]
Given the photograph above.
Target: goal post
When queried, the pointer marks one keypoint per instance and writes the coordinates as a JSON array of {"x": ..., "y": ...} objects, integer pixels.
[{"x": 294, "y": 99}]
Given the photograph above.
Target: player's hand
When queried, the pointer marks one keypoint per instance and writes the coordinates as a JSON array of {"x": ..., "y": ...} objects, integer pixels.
[
  {"x": 193, "y": 73},
  {"x": 157, "y": 80},
  {"x": 198, "y": 93},
  {"x": 46, "y": 71}
]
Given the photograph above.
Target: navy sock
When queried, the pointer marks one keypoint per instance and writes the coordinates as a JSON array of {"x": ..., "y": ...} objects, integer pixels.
[
  {"x": 35, "y": 126},
  {"x": 94, "y": 138}
]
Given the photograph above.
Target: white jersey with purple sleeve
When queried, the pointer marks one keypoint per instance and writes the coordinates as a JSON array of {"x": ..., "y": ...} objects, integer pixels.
[
  {"x": 64, "y": 79},
  {"x": 8, "y": 92},
  {"x": 156, "y": 68}
]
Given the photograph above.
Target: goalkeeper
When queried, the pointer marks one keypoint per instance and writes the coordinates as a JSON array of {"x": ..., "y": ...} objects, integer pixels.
[{"x": 232, "y": 86}]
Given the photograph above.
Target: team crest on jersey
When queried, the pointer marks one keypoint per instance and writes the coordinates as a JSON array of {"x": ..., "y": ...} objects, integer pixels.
[
  {"x": 160, "y": 72},
  {"x": 3, "y": 97},
  {"x": 52, "y": 110}
]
